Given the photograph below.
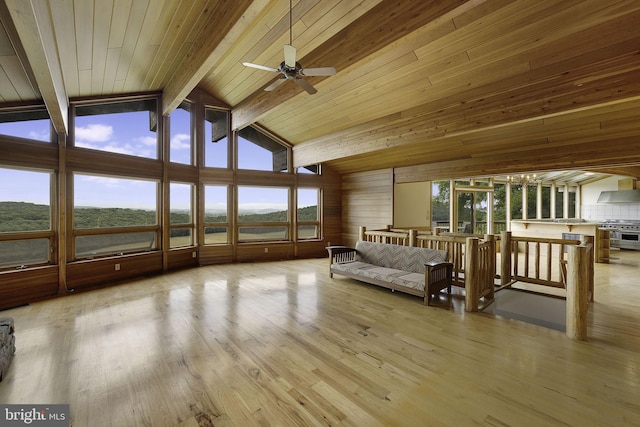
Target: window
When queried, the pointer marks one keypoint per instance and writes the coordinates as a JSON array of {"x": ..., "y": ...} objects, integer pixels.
[
  {"x": 559, "y": 208},
  {"x": 572, "y": 202},
  {"x": 440, "y": 199},
  {"x": 263, "y": 213},
  {"x": 121, "y": 127},
  {"x": 516, "y": 201},
  {"x": 26, "y": 232},
  {"x": 532, "y": 201},
  {"x": 546, "y": 201},
  {"x": 216, "y": 223},
  {"x": 181, "y": 217},
  {"x": 308, "y": 213},
  {"x": 311, "y": 169},
  {"x": 30, "y": 124},
  {"x": 180, "y": 134},
  {"x": 216, "y": 139},
  {"x": 499, "y": 207},
  {"x": 114, "y": 215},
  {"x": 257, "y": 151}
]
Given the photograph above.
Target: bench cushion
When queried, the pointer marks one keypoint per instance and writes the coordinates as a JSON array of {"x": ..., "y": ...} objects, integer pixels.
[{"x": 406, "y": 258}]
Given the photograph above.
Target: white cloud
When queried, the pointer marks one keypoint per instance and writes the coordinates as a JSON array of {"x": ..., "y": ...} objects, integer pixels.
[
  {"x": 150, "y": 141},
  {"x": 181, "y": 141},
  {"x": 93, "y": 132}
]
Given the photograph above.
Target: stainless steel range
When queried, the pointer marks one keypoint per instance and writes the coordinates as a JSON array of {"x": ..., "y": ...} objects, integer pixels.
[{"x": 625, "y": 233}]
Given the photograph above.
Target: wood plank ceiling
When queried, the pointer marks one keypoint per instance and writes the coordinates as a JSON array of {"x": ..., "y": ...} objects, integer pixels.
[{"x": 437, "y": 89}]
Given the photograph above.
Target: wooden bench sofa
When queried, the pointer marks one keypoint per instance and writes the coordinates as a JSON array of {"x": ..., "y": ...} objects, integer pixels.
[{"x": 416, "y": 271}]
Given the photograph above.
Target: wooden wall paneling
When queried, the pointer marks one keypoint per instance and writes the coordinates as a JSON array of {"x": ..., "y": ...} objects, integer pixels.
[
  {"x": 183, "y": 173},
  {"x": 215, "y": 254},
  {"x": 264, "y": 178},
  {"x": 18, "y": 287},
  {"x": 249, "y": 252},
  {"x": 312, "y": 249},
  {"x": 367, "y": 200},
  {"x": 182, "y": 258},
  {"x": 93, "y": 161},
  {"x": 17, "y": 152},
  {"x": 91, "y": 273}
]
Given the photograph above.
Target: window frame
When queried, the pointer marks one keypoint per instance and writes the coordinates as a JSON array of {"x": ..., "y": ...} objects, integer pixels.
[
  {"x": 317, "y": 223},
  {"x": 74, "y": 232},
  {"x": 264, "y": 224},
  {"x": 50, "y": 235}
]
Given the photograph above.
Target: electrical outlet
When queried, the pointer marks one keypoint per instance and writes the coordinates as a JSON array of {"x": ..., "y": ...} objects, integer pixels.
[
  {"x": 328, "y": 243},
  {"x": 193, "y": 254},
  {"x": 266, "y": 250},
  {"x": 117, "y": 267}
]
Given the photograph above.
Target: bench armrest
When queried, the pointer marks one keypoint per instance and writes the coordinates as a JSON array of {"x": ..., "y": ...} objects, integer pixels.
[
  {"x": 437, "y": 276},
  {"x": 339, "y": 254}
]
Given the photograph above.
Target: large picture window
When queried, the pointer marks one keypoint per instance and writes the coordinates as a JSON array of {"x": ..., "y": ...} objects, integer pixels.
[
  {"x": 180, "y": 134},
  {"x": 263, "y": 213},
  {"x": 308, "y": 213},
  {"x": 113, "y": 215},
  {"x": 257, "y": 151},
  {"x": 216, "y": 222},
  {"x": 26, "y": 232},
  {"x": 30, "y": 124},
  {"x": 216, "y": 139},
  {"x": 120, "y": 127},
  {"x": 181, "y": 214}
]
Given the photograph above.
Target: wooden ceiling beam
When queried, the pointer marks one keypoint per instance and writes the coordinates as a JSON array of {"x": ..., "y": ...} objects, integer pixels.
[
  {"x": 33, "y": 24},
  {"x": 228, "y": 20},
  {"x": 596, "y": 156},
  {"x": 372, "y": 31}
]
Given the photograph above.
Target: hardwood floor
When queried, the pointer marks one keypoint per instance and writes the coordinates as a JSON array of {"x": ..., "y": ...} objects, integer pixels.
[{"x": 282, "y": 344}]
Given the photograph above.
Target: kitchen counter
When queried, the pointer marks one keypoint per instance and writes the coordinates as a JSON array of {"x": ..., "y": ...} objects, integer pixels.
[{"x": 556, "y": 224}]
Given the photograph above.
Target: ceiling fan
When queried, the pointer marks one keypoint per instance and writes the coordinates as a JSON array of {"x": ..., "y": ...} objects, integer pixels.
[{"x": 290, "y": 68}]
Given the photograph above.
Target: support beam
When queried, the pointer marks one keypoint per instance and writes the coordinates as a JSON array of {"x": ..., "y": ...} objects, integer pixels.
[
  {"x": 215, "y": 40},
  {"x": 32, "y": 21}
]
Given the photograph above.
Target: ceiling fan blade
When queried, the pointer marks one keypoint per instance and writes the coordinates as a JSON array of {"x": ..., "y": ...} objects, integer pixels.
[
  {"x": 259, "y": 67},
  {"x": 305, "y": 85},
  {"x": 323, "y": 71},
  {"x": 275, "y": 84},
  {"x": 289, "y": 56}
]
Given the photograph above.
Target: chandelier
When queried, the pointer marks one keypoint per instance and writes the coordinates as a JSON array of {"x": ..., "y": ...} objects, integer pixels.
[{"x": 523, "y": 179}]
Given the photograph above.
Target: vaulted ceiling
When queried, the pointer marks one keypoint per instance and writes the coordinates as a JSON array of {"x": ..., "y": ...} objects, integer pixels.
[{"x": 437, "y": 89}]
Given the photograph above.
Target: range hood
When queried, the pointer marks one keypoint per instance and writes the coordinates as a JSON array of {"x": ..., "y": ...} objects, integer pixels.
[{"x": 620, "y": 196}]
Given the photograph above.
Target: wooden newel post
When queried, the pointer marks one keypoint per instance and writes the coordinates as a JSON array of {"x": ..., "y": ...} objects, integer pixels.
[
  {"x": 589, "y": 242},
  {"x": 577, "y": 292},
  {"x": 412, "y": 236},
  {"x": 505, "y": 257},
  {"x": 471, "y": 274},
  {"x": 361, "y": 233}
]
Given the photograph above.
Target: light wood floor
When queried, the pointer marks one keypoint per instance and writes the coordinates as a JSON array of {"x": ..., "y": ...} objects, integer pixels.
[{"x": 282, "y": 344}]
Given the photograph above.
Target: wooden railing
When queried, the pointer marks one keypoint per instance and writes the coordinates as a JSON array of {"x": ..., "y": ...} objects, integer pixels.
[
  {"x": 480, "y": 267},
  {"x": 558, "y": 263},
  {"x": 394, "y": 236},
  {"x": 540, "y": 261}
]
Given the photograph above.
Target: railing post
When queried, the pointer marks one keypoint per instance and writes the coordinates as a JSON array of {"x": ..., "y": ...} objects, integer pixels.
[
  {"x": 492, "y": 263},
  {"x": 505, "y": 257},
  {"x": 470, "y": 275},
  {"x": 589, "y": 241},
  {"x": 412, "y": 236},
  {"x": 361, "y": 233},
  {"x": 577, "y": 289}
]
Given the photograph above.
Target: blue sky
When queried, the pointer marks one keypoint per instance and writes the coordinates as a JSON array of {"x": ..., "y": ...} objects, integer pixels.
[{"x": 129, "y": 134}]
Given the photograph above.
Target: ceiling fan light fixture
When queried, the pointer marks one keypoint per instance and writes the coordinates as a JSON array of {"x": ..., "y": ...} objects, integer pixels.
[{"x": 290, "y": 68}]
